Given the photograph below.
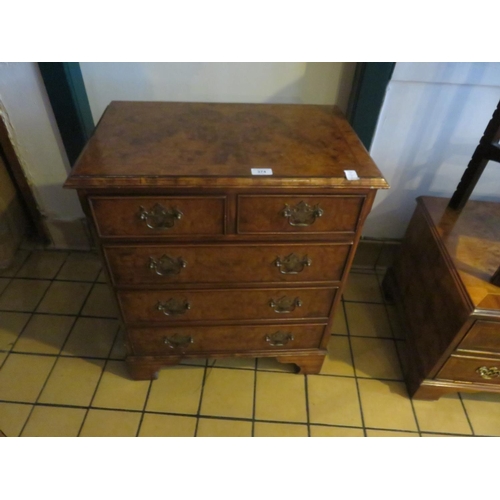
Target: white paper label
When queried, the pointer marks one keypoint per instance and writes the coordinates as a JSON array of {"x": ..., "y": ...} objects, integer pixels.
[
  {"x": 262, "y": 171},
  {"x": 351, "y": 175}
]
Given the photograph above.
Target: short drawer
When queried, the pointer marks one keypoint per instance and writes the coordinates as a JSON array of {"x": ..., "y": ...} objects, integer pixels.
[
  {"x": 158, "y": 216},
  {"x": 483, "y": 336},
  {"x": 158, "y": 341},
  {"x": 298, "y": 214},
  {"x": 469, "y": 369},
  {"x": 251, "y": 263},
  {"x": 167, "y": 306}
]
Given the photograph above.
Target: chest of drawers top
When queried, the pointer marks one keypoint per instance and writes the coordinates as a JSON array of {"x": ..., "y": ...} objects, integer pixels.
[{"x": 148, "y": 145}]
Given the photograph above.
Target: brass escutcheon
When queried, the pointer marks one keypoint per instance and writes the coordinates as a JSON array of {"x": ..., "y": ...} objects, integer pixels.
[
  {"x": 166, "y": 266},
  {"x": 159, "y": 217},
  {"x": 285, "y": 304},
  {"x": 301, "y": 214},
  {"x": 488, "y": 373},
  {"x": 177, "y": 341},
  {"x": 279, "y": 338},
  {"x": 173, "y": 307},
  {"x": 292, "y": 264}
]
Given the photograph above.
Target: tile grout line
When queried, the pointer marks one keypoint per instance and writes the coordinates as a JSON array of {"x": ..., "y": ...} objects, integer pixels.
[
  {"x": 354, "y": 369},
  {"x": 306, "y": 389},
  {"x": 466, "y": 414},
  {"x": 201, "y": 398},
  {"x": 143, "y": 411},
  {"x": 98, "y": 381}
]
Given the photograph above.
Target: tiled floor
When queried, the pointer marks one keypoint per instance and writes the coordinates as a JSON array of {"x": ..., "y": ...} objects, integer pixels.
[{"x": 62, "y": 371}]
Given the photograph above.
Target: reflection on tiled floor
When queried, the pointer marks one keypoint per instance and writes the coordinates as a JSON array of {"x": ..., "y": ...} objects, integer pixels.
[{"x": 62, "y": 371}]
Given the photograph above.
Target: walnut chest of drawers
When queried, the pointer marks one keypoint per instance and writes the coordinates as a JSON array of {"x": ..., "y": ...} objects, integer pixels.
[
  {"x": 441, "y": 283},
  {"x": 226, "y": 229}
]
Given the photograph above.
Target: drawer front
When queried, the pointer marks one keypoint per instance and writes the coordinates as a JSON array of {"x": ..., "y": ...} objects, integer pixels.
[
  {"x": 158, "y": 216},
  {"x": 167, "y": 306},
  {"x": 132, "y": 265},
  {"x": 480, "y": 370},
  {"x": 164, "y": 341},
  {"x": 483, "y": 336},
  {"x": 298, "y": 214}
]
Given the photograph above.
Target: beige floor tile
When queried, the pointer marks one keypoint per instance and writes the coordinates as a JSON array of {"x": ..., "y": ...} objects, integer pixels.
[
  {"x": 80, "y": 266},
  {"x": 22, "y": 376},
  {"x": 483, "y": 410},
  {"x": 363, "y": 288},
  {"x": 11, "y": 325},
  {"x": 214, "y": 427},
  {"x": 3, "y": 357},
  {"x": 427, "y": 434},
  {"x": 332, "y": 431},
  {"x": 72, "y": 382},
  {"x": 368, "y": 320},
  {"x": 92, "y": 337},
  {"x": 15, "y": 265},
  {"x": 376, "y": 358},
  {"x": 367, "y": 255},
  {"x": 395, "y": 322},
  {"x": 379, "y": 433},
  {"x": 49, "y": 421},
  {"x": 444, "y": 415},
  {"x": 241, "y": 363},
  {"x": 177, "y": 390},
  {"x": 387, "y": 255},
  {"x": 42, "y": 265},
  {"x": 102, "y": 277},
  {"x": 338, "y": 361},
  {"x": 64, "y": 298},
  {"x": 228, "y": 393},
  {"x": 333, "y": 400},
  {"x": 339, "y": 326},
  {"x": 23, "y": 295},
  {"x": 386, "y": 405},
  {"x": 155, "y": 425},
  {"x": 44, "y": 334},
  {"x": 119, "y": 350},
  {"x": 13, "y": 417},
  {"x": 118, "y": 390},
  {"x": 270, "y": 364},
  {"x": 280, "y": 396},
  {"x": 266, "y": 429},
  {"x": 3, "y": 283},
  {"x": 110, "y": 423},
  {"x": 100, "y": 303}
]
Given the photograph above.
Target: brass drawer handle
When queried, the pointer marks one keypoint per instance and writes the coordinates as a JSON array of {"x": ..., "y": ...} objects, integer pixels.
[
  {"x": 301, "y": 214},
  {"x": 166, "y": 266},
  {"x": 177, "y": 341},
  {"x": 173, "y": 307},
  {"x": 159, "y": 217},
  {"x": 279, "y": 338},
  {"x": 292, "y": 264},
  {"x": 285, "y": 304},
  {"x": 488, "y": 373}
]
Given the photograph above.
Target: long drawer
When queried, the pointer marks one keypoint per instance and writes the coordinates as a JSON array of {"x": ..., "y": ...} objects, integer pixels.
[
  {"x": 156, "y": 216},
  {"x": 298, "y": 214},
  {"x": 250, "y": 263},
  {"x": 168, "y": 341},
  {"x": 471, "y": 369},
  {"x": 167, "y": 306}
]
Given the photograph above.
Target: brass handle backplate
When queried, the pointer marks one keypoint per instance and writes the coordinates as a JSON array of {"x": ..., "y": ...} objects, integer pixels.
[
  {"x": 292, "y": 264},
  {"x": 166, "y": 266},
  {"x": 159, "y": 217},
  {"x": 177, "y": 341},
  {"x": 301, "y": 214},
  {"x": 285, "y": 304},
  {"x": 173, "y": 307},
  {"x": 279, "y": 339},
  {"x": 488, "y": 373}
]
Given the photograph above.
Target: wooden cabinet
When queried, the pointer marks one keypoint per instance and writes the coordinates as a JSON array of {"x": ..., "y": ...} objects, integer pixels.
[
  {"x": 207, "y": 259},
  {"x": 441, "y": 285}
]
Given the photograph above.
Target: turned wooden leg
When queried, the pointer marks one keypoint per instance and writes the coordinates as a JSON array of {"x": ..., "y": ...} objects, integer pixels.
[
  {"x": 307, "y": 364},
  {"x": 148, "y": 370}
]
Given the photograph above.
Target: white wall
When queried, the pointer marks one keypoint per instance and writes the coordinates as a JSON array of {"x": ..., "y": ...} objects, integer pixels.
[
  {"x": 308, "y": 83},
  {"x": 26, "y": 110},
  {"x": 433, "y": 117}
]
